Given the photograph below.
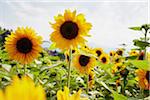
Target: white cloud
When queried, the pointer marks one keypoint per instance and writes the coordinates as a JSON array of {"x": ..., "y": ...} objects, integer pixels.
[{"x": 110, "y": 19}]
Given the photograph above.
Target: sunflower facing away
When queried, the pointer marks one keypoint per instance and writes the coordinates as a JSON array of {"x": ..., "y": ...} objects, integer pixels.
[
  {"x": 143, "y": 78},
  {"x": 23, "y": 45},
  {"x": 22, "y": 89},
  {"x": 83, "y": 63},
  {"x": 69, "y": 30},
  {"x": 65, "y": 95}
]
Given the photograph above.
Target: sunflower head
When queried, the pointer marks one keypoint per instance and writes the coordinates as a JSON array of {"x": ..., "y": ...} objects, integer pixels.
[
  {"x": 124, "y": 72},
  {"x": 118, "y": 67},
  {"x": 104, "y": 58},
  {"x": 143, "y": 78},
  {"x": 120, "y": 51},
  {"x": 133, "y": 53},
  {"x": 86, "y": 49},
  {"x": 98, "y": 51},
  {"x": 83, "y": 63},
  {"x": 23, "y": 89},
  {"x": 117, "y": 60},
  {"x": 65, "y": 95},
  {"x": 69, "y": 30},
  {"x": 74, "y": 51},
  {"x": 112, "y": 53},
  {"x": 23, "y": 45}
]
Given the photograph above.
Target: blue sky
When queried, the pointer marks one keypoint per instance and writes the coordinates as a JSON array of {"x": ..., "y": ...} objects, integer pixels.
[{"x": 110, "y": 18}]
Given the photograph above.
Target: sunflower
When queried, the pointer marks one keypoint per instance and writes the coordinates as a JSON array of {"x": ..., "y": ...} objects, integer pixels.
[
  {"x": 104, "y": 58},
  {"x": 86, "y": 49},
  {"x": 143, "y": 78},
  {"x": 91, "y": 79},
  {"x": 112, "y": 53},
  {"x": 98, "y": 51},
  {"x": 117, "y": 67},
  {"x": 69, "y": 30},
  {"x": 65, "y": 95},
  {"x": 74, "y": 51},
  {"x": 117, "y": 59},
  {"x": 133, "y": 53},
  {"x": 120, "y": 51},
  {"x": 22, "y": 89},
  {"x": 23, "y": 45},
  {"x": 83, "y": 63}
]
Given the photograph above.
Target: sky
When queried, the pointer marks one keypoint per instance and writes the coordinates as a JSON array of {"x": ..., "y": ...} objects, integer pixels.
[{"x": 110, "y": 18}]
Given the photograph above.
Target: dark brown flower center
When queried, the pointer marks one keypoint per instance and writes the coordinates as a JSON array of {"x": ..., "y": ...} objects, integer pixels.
[
  {"x": 117, "y": 60},
  {"x": 84, "y": 60},
  {"x": 24, "y": 45},
  {"x": 73, "y": 51},
  {"x": 104, "y": 59},
  {"x": 118, "y": 67},
  {"x": 119, "y": 52},
  {"x": 98, "y": 53},
  {"x": 148, "y": 76},
  {"x": 69, "y": 30},
  {"x": 111, "y": 54}
]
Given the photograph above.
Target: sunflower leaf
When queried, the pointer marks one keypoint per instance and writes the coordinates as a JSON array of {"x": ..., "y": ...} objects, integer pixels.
[
  {"x": 118, "y": 96},
  {"x": 52, "y": 46},
  {"x": 135, "y": 28},
  {"x": 144, "y": 64}
]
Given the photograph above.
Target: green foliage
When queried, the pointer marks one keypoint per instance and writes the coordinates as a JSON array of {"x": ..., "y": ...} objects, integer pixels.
[
  {"x": 119, "y": 96},
  {"x": 135, "y": 28},
  {"x": 141, "y": 44},
  {"x": 141, "y": 64}
]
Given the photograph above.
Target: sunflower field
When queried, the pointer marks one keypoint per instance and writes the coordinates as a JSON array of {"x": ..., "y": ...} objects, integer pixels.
[{"x": 70, "y": 69}]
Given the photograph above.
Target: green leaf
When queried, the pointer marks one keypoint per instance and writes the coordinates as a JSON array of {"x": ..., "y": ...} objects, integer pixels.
[
  {"x": 131, "y": 57},
  {"x": 106, "y": 67},
  {"x": 52, "y": 46},
  {"x": 118, "y": 96},
  {"x": 141, "y": 64},
  {"x": 135, "y": 28},
  {"x": 101, "y": 82},
  {"x": 141, "y": 44}
]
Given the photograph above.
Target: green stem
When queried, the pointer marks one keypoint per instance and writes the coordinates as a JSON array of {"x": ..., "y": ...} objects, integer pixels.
[
  {"x": 24, "y": 69},
  {"x": 145, "y": 47},
  {"x": 142, "y": 94},
  {"x": 69, "y": 68},
  {"x": 124, "y": 85},
  {"x": 87, "y": 84},
  {"x": 16, "y": 69}
]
